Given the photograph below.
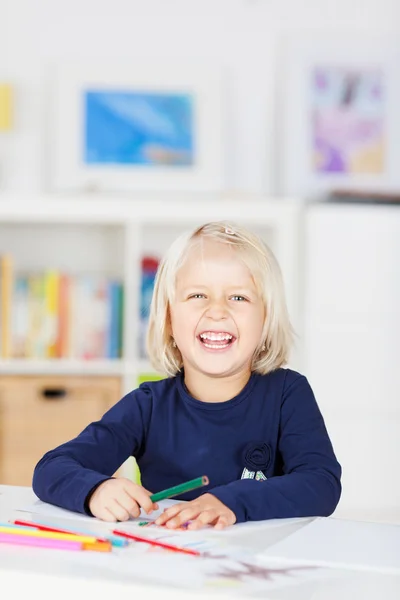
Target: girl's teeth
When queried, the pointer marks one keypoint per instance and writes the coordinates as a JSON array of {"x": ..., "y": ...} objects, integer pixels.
[
  {"x": 215, "y": 337},
  {"x": 216, "y": 341}
]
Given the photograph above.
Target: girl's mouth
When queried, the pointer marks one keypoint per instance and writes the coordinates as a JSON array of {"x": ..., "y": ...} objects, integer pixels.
[{"x": 216, "y": 340}]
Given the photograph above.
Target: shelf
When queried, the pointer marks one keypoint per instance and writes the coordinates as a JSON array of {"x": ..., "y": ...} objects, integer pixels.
[
  {"x": 151, "y": 208},
  {"x": 18, "y": 366},
  {"x": 61, "y": 367},
  {"x": 144, "y": 366}
]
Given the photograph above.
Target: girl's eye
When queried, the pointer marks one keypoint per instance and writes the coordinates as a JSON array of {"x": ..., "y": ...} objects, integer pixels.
[
  {"x": 239, "y": 298},
  {"x": 197, "y": 296}
]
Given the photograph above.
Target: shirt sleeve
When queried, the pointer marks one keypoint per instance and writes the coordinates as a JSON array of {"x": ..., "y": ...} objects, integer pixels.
[
  {"x": 310, "y": 484},
  {"x": 66, "y": 475}
]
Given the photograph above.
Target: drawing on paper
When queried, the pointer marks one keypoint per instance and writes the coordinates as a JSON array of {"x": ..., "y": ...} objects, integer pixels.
[
  {"x": 347, "y": 120},
  {"x": 138, "y": 128}
]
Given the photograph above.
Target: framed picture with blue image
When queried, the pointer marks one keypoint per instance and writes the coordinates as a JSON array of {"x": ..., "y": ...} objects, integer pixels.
[{"x": 124, "y": 128}]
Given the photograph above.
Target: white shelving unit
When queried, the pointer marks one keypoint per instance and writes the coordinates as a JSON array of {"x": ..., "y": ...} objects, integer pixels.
[{"x": 110, "y": 234}]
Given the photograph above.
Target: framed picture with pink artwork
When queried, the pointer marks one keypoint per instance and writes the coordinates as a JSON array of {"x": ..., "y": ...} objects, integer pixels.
[{"x": 340, "y": 123}]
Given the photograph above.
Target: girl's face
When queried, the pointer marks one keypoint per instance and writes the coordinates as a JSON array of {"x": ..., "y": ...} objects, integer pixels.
[{"x": 217, "y": 316}]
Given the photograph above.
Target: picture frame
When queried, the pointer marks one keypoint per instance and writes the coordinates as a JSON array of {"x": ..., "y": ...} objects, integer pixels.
[
  {"x": 339, "y": 123},
  {"x": 127, "y": 128}
]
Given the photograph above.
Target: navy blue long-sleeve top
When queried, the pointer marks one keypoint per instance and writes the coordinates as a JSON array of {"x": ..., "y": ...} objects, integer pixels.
[{"x": 272, "y": 429}]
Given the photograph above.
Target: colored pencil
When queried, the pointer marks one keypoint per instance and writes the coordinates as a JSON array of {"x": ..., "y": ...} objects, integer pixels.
[
  {"x": 97, "y": 546},
  {"x": 14, "y": 526},
  {"x": 23, "y": 540},
  {"x": 44, "y": 527},
  {"x": 50, "y": 535},
  {"x": 138, "y": 538},
  {"x": 193, "y": 484}
]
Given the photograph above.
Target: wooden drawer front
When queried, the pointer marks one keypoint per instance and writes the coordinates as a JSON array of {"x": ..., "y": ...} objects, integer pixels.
[{"x": 39, "y": 413}]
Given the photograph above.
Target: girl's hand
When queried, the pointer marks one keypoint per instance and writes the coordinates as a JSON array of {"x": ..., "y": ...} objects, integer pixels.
[
  {"x": 205, "y": 510},
  {"x": 120, "y": 499}
]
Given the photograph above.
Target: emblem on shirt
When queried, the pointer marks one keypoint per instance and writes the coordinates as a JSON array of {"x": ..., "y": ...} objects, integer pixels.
[
  {"x": 256, "y": 458},
  {"x": 257, "y": 475}
]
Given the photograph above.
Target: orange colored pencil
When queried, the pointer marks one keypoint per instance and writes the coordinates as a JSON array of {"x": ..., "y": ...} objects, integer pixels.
[{"x": 97, "y": 546}]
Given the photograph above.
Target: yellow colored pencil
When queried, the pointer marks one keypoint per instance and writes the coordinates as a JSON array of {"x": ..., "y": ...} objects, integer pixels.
[{"x": 88, "y": 539}]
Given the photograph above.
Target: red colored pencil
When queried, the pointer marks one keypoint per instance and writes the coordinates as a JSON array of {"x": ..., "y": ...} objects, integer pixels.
[
  {"x": 52, "y": 529},
  {"x": 137, "y": 538},
  {"x": 40, "y": 527}
]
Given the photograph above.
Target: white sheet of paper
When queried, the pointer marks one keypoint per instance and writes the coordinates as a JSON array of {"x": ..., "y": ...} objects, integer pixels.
[{"x": 342, "y": 544}]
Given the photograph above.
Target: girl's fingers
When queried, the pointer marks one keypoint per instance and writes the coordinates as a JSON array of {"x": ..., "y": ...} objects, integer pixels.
[
  {"x": 119, "y": 512},
  {"x": 182, "y": 517},
  {"x": 129, "y": 504},
  {"x": 169, "y": 513},
  {"x": 198, "y": 514},
  {"x": 221, "y": 522},
  {"x": 155, "y": 505},
  {"x": 207, "y": 517},
  {"x": 139, "y": 495},
  {"x": 107, "y": 515}
]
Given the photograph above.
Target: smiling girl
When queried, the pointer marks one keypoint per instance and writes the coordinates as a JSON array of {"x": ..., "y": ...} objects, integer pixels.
[{"x": 220, "y": 331}]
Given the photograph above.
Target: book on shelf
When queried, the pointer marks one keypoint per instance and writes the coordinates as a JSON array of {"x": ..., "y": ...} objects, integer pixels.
[
  {"x": 149, "y": 266},
  {"x": 53, "y": 314}
]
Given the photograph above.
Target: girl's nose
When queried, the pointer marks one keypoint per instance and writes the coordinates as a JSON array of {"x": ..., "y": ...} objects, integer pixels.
[{"x": 216, "y": 310}]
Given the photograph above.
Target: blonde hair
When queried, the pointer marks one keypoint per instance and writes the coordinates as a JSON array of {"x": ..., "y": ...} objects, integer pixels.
[{"x": 277, "y": 336}]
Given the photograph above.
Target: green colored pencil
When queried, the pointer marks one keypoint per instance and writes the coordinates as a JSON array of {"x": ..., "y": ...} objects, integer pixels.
[{"x": 180, "y": 489}]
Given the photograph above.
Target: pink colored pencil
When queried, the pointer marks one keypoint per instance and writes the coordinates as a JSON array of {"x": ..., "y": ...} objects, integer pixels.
[{"x": 21, "y": 540}]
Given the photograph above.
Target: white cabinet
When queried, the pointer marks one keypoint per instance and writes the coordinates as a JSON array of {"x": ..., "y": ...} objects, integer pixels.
[{"x": 352, "y": 332}]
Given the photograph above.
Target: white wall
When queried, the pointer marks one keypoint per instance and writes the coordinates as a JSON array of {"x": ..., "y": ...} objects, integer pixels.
[
  {"x": 241, "y": 35},
  {"x": 352, "y": 336}
]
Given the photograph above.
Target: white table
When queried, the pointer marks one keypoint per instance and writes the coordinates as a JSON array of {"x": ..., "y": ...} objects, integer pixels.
[{"x": 43, "y": 574}]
